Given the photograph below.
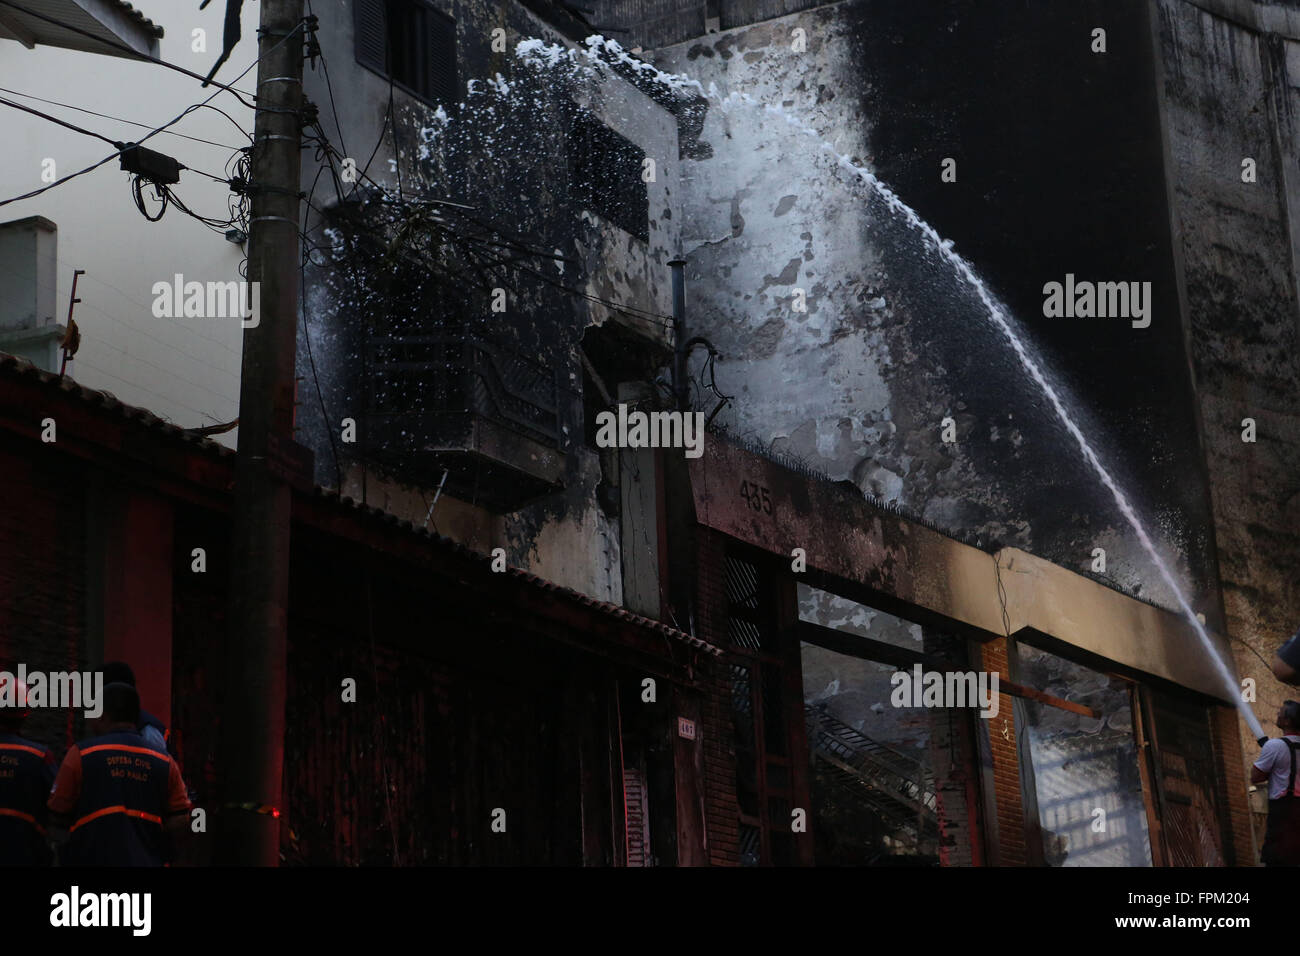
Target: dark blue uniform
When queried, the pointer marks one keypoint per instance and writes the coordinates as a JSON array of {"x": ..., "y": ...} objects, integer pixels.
[
  {"x": 26, "y": 773},
  {"x": 117, "y": 791}
]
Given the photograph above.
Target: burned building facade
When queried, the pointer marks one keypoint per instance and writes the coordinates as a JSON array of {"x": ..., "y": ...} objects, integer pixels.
[
  {"x": 511, "y": 642},
  {"x": 846, "y": 346}
]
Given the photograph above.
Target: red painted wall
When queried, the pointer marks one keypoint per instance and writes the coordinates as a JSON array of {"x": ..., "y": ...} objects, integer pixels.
[{"x": 138, "y": 593}]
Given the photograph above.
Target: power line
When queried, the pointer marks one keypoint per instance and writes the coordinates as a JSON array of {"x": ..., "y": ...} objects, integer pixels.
[
  {"x": 143, "y": 309},
  {"x": 60, "y": 182},
  {"x": 135, "y": 53},
  {"x": 151, "y": 133},
  {"x": 329, "y": 87},
  {"x": 119, "y": 119},
  {"x": 54, "y": 119},
  {"x": 163, "y": 192},
  {"x": 306, "y": 334},
  {"x": 133, "y": 329},
  {"x": 187, "y": 384}
]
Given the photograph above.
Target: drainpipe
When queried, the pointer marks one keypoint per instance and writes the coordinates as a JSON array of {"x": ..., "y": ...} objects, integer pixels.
[{"x": 680, "y": 385}]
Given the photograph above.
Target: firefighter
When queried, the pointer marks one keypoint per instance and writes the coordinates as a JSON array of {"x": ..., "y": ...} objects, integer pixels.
[
  {"x": 1276, "y": 766},
  {"x": 26, "y": 773},
  {"x": 116, "y": 800}
]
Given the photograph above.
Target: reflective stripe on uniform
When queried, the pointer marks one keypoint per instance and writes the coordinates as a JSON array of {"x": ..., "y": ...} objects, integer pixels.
[
  {"x": 27, "y": 817},
  {"x": 138, "y": 814},
  {"x": 25, "y": 749},
  {"x": 124, "y": 749}
]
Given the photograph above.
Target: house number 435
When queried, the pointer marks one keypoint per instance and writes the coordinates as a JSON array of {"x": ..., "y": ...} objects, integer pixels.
[{"x": 756, "y": 496}]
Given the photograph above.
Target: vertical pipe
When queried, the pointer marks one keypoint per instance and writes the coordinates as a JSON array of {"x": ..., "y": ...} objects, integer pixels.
[{"x": 680, "y": 388}]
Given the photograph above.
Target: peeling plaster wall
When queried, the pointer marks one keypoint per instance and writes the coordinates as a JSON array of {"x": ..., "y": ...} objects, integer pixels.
[
  {"x": 565, "y": 537},
  {"x": 761, "y": 222},
  {"x": 1059, "y": 170}
]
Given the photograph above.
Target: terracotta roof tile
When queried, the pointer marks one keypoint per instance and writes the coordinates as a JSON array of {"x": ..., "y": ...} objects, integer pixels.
[{"x": 151, "y": 28}]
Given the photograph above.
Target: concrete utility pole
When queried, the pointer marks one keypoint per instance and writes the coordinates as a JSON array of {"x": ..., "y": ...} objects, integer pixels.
[{"x": 253, "y": 694}]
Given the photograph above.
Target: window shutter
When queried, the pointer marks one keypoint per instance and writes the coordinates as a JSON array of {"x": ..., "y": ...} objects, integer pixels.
[
  {"x": 370, "y": 23},
  {"x": 443, "y": 85}
]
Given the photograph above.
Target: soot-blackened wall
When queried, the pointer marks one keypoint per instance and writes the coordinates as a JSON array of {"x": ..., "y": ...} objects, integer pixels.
[{"x": 1059, "y": 170}]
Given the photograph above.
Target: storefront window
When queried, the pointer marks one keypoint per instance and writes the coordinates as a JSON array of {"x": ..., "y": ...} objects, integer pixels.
[
  {"x": 1084, "y": 769},
  {"x": 890, "y": 785}
]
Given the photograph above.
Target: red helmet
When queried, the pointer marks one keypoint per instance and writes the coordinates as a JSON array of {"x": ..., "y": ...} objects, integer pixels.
[{"x": 18, "y": 694}]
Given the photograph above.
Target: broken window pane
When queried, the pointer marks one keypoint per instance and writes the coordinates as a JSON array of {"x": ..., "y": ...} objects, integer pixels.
[
  {"x": 1084, "y": 769},
  {"x": 890, "y": 784},
  {"x": 831, "y": 610}
]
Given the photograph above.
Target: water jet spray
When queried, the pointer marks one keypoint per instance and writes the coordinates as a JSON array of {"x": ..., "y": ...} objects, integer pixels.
[{"x": 601, "y": 53}]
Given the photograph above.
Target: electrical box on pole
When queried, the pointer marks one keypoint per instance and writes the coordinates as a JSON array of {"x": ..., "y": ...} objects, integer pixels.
[{"x": 150, "y": 165}]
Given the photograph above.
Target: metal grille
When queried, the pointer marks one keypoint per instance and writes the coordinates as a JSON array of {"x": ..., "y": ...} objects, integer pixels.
[
  {"x": 741, "y": 583},
  {"x": 638, "y": 817},
  {"x": 1193, "y": 828},
  {"x": 745, "y": 633}
]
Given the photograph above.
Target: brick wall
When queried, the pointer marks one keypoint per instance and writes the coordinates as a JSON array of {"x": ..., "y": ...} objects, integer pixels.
[
  {"x": 1225, "y": 739},
  {"x": 1009, "y": 810}
]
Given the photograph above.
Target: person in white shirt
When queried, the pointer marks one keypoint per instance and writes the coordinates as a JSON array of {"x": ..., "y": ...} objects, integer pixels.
[{"x": 1277, "y": 765}]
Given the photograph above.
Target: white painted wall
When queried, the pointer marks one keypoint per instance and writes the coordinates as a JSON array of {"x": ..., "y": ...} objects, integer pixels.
[{"x": 185, "y": 370}]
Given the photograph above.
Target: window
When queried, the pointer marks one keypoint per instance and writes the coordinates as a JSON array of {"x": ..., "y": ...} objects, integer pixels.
[
  {"x": 891, "y": 785},
  {"x": 1084, "y": 770},
  {"x": 606, "y": 170},
  {"x": 410, "y": 42}
]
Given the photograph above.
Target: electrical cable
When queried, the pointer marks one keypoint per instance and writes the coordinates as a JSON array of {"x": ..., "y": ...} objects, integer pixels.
[
  {"x": 1002, "y": 595},
  {"x": 161, "y": 190},
  {"x": 658, "y": 319},
  {"x": 119, "y": 119},
  {"x": 306, "y": 334},
  {"x": 329, "y": 87},
  {"x": 60, "y": 182},
  {"x": 238, "y": 94},
  {"x": 54, "y": 119},
  {"x": 1268, "y": 665},
  {"x": 147, "y": 136}
]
